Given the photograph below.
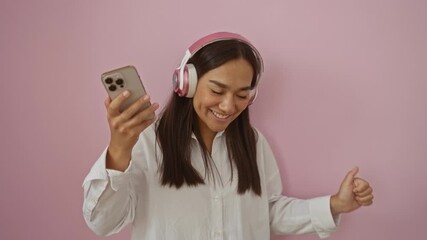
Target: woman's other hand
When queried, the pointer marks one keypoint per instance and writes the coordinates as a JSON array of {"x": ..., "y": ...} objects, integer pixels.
[{"x": 353, "y": 193}]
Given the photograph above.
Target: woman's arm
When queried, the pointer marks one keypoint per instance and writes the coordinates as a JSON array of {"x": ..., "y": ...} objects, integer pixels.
[{"x": 109, "y": 199}]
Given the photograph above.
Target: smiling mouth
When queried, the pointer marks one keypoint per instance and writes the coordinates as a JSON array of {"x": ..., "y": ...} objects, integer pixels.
[{"x": 218, "y": 115}]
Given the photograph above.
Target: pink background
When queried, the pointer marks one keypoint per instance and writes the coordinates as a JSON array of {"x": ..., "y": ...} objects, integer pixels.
[{"x": 344, "y": 85}]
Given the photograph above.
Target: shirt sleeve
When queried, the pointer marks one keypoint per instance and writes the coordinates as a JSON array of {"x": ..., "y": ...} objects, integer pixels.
[
  {"x": 298, "y": 216},
  {"x": 109, "y": 201},
  {"x": 291, "y": 215}
]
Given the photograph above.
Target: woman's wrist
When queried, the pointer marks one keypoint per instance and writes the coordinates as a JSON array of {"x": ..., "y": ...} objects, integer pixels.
[
  {"x": 117, "y": 158},
  {"x": 335, "y": 205}
]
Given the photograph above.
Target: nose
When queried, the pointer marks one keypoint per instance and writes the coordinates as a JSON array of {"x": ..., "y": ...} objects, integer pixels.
[{"x": 228, "y": 104}]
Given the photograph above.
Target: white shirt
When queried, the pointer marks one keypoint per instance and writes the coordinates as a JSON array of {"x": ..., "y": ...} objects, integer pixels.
[{"x": 114, "y": 199}]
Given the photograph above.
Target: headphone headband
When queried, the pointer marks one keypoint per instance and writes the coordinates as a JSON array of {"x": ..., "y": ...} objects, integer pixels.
[{"x": 214, "y": 37}]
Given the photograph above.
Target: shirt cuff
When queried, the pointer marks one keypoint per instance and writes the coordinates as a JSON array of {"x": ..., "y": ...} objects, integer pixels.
[
  {"x": 322, "y": 218},
  {"x": 99, "y": 171},
  {"x": 118, "y": 179}
]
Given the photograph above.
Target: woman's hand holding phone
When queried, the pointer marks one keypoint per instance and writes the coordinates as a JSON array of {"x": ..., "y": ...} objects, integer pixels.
[
  {"x": 126, "y": 126},
  {"x": 129, "y": 112}
]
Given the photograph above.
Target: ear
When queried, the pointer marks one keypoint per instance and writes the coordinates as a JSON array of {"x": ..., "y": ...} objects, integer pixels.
[{"x": 252, "y": 95}]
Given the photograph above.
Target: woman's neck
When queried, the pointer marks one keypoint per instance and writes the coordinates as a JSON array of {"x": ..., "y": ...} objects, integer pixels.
[{"x": 207, "y": 136}]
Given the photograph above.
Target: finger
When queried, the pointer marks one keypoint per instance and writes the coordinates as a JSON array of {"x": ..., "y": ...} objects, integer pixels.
[
  {"x": 141, "y": 127},
  {"x": 348, "y": 180},
  {"x": 360, "y": 185},
  {"x": 114, "y": 107},
  {"x": 136, "y": 107},
  {"x": 365, "y": 201},
  {"x": 364, "y": 193},
  {"x": 107, "y": 102},
  {"x": 147, "y": 115}
]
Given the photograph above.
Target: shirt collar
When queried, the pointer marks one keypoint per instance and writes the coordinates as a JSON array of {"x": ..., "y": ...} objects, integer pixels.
[{"x": 218, "y": 134}]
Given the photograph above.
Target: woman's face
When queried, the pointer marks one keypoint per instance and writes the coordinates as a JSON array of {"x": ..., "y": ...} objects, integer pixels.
[{"x": 221, "y": 95}]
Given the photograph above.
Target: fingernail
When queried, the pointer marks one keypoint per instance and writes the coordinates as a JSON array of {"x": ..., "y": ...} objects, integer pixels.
[
  {"x": 126, "y": 93},
  {"x": 146, "y": 97}
]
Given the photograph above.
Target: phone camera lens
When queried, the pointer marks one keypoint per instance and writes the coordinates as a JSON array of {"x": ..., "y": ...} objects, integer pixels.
[
  {"x": 112, "y": 88},
  {"x": 119, "y": 81},
  {"x": 109, "y": 80}
]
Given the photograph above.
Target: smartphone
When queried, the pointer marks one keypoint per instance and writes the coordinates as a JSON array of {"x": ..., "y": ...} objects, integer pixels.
[{"x": 125, "y": 78}]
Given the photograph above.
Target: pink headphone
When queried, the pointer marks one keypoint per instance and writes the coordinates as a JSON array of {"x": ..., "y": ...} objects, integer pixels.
[{"x": 185, "y": 76}]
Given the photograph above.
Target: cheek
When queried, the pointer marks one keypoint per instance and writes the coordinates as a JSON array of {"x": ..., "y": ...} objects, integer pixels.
[
  {"x": 200, "y": 104},
  {"x": 241, "y": 110},
  {"x": 242, "y": 105},
  {"x": 202, "y": 99}
]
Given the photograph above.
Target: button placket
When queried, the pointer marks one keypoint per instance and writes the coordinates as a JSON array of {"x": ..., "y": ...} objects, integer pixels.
[
  {"x": 217, "y": 190},
  {"x": 217, "y": 213},
  {"x": 218, "y": 235}
]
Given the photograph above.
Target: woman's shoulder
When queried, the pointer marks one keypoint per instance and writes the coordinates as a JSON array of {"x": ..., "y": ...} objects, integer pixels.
[{"x": 259, "y": 136}]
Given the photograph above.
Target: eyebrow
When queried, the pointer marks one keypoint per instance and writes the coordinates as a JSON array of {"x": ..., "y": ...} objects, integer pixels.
[{"x": 222, "y": 85}]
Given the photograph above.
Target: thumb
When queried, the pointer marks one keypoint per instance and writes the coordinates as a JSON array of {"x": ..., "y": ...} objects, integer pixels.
[
  {"x": 348, "y": 180},
  {"x": 107, "y": 102}
]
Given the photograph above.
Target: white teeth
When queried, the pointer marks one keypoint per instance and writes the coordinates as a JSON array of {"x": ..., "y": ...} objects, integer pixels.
[{"x": 219, "y": 115}]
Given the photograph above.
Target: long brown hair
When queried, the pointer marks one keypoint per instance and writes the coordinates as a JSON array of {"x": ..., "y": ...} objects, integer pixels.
[{"x": 178, "y": 121}]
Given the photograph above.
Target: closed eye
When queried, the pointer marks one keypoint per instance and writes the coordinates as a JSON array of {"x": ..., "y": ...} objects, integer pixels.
[
  {"x": 244, "y": 94},
  {"x": 216, "y": 92}
]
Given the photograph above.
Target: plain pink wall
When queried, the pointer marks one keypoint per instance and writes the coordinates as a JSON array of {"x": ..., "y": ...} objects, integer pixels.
[{"x": 345, "y": 84}]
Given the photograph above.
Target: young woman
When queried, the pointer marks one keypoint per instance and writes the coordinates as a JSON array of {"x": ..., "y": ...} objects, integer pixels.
[{"x": 201, "y": 171}]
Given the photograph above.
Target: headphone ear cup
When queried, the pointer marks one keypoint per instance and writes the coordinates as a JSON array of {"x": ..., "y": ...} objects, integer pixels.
[
  {"x": 191, "y": 79},
  {"x": 252, "y": 95},
  {"x": 185, "y": 86},
  {"x": 176, "y": 81}
]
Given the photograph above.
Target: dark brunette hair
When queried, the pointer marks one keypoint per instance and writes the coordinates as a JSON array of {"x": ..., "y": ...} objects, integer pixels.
[{"x": 178, "y": 121}]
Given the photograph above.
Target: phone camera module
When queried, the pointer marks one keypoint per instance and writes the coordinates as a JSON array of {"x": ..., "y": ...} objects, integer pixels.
[
  {"x": 120, "y": 82},
  {"x": 109, "y": 80},
  {"x": 112, "y": 88}
]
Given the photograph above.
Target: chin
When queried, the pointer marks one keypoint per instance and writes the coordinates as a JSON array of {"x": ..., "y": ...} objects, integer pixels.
[{"x": 218, "y": 128}]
